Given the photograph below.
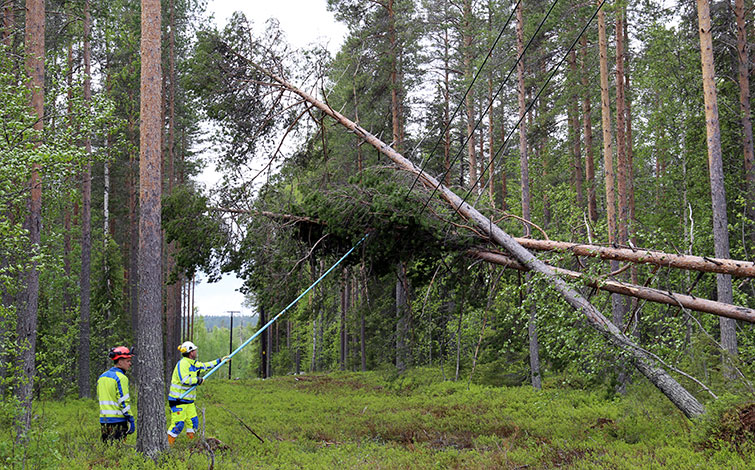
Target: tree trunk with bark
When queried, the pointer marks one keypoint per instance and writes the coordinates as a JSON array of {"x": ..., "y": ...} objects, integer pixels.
[
  {"x": 26, "y": 325},
  {"x": 621, "y": 305},
  {"x": 151, "y": 438},
  {"x": 575, "y": 134},
  {"x": 592, "y": 204},
  {"x": 467, "y": 39},
  {"x": 715, "y": 166},
  {"x": 403, "y": 312}
]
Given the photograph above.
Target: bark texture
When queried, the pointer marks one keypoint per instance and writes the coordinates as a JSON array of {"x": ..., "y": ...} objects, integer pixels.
[
  {"x": 151, "y": 438},
  {"x": 26, "y": 326}
]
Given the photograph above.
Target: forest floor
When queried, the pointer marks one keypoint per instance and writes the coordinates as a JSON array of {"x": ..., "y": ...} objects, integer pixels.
[{"x": 383, "y": 421}]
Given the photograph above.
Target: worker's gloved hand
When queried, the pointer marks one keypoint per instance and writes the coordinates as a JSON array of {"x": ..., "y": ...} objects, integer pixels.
[
  {"x": 200, "y": 380},
  {"x": 131, "y": 424},
  {"x": 225, "y": 358}
]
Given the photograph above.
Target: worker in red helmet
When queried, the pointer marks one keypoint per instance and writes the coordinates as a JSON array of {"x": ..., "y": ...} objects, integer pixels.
[
  {"x": 116, "y": 418},
  {"x": 186, "y": 376}
]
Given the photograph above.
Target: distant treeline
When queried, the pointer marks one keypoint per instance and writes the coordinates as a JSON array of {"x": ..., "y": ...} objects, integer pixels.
[{"x": 224, "y": 321}]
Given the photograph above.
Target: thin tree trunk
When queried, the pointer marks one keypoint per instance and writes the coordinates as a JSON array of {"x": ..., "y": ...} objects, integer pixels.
[
  {"x": 8, "y": 24},
  {"x": 86, "y": 229},
  {"x": 344, "y": 292},
  {"x": 718, "y": 192},
  {"x": 534, "y": 349},
  {"x": 592, "y": 204},
  {"x": 523, "y": 160},
  {"x": 575, "y": 134},
  {"x": 172, "y": 301},
  {"x": 743, "y": 55},
  {"x": 395, "y": 95},
  {"x": 362, "y": 323},
  {"x": 446, "y": 111},
  {"x": 151, "y": 439},
  {"x": 458, "y": 337},
  {"x": 617, "y": 303},
  {"x": 606, "y": 124},
  {"x": 263, "y": 343},
  {"x": 646, "y": 363},
  {"x": 630, "y": 162},
  {"x": 621, "y": 305},
  {"x": 314, "y": 304},
  {"x": 491, "y": 132},
  {"x": 402, "y": 319},
  {"x": 26, "y": 326},
  {"x": 469, "y": 100},
  {"x": 133, "y": 242}
]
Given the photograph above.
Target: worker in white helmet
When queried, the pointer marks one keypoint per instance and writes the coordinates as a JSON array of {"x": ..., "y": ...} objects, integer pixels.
[{"x": 183, "y": 413}]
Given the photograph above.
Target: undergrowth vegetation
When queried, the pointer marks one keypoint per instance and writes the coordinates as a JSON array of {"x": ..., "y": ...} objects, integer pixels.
[{"x": 415, "y": 420}]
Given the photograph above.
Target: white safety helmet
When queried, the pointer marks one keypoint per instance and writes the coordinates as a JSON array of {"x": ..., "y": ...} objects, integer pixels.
[{"x": 187, "y": 347}]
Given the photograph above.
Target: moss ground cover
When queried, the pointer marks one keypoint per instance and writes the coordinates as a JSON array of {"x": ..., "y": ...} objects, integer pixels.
[{"x": 371, "y": 420}]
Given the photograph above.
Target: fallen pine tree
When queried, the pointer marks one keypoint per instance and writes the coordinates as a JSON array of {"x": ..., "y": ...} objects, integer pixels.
[{"x": 647, "y": 363}]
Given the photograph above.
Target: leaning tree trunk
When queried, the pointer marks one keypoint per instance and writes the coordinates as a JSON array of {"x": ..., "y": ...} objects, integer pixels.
[
  {"x": 151, "y": 439},
  {"x": 715, "y": 165},
  {"x": 645, "y": 362}
]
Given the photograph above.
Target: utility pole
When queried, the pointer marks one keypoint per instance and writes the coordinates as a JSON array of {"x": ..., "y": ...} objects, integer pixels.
[{"x": 230, "y": 342}]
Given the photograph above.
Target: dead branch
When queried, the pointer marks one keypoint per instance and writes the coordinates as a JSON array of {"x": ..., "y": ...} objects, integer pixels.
[
  {"x": 308, "y": 254},
  {"x": 243, "y": 424}
]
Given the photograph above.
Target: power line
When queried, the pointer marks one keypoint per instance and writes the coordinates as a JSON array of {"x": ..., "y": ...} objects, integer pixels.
[
  {"x": 469, "y": 88},
  {"x": 482, "y": 115},
  {"x": 534, "y": 100}
]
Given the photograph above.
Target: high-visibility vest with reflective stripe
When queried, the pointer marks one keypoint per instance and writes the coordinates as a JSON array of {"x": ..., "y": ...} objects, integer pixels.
[
  {"x": 112, "y": 392},
  {"x": 185, "y": 376}
]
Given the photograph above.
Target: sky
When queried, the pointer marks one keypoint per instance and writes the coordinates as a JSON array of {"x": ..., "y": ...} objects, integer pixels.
[{"x": 305, "y": 22}]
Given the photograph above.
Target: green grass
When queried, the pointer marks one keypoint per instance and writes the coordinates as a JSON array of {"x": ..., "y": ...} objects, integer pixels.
[{"x": 374, "y": 421}]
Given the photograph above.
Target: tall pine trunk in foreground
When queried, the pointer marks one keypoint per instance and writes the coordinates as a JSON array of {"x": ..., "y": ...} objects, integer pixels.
[
  {"x": 717, "y": 190},
  {"x": 26, "y": 326},
  {"x": 149, "y": 367}
]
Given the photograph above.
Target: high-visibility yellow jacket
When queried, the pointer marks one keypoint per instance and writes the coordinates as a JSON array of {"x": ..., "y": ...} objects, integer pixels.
[
  {"x": 112, "y": 392},
  {"x": 185, "y": 376}
]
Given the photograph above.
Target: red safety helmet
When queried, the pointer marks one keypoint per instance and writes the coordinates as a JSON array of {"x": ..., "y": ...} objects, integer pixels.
[{"x": 120, "y": 352}]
